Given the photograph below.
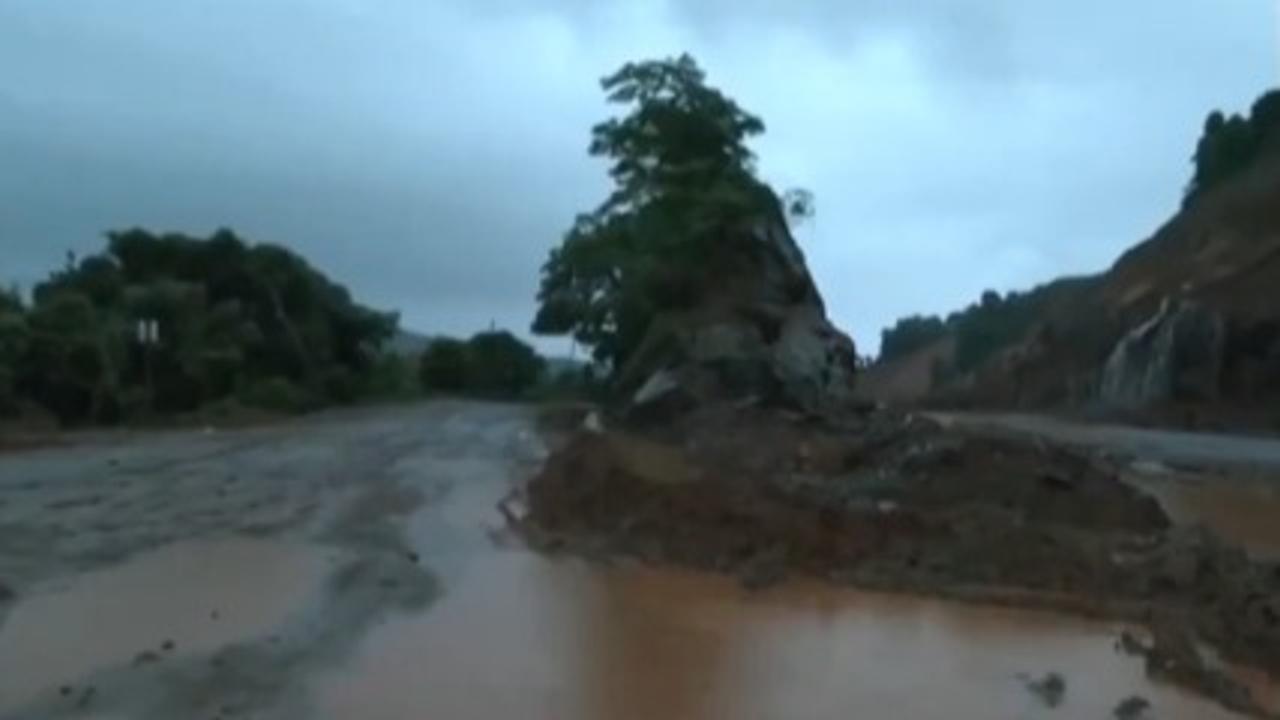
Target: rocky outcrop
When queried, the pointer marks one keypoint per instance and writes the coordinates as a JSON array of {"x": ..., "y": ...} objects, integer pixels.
[
  {"x": 760, "y": 334},
  {"x": 1176, "y": 354}
]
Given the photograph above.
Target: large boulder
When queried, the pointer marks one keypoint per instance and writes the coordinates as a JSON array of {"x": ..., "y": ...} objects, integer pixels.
[{"x": 760, "y": 333}]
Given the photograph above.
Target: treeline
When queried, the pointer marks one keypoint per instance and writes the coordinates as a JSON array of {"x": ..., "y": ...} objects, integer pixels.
[
  {"x": 982, "y": 329},
  {"x": 160, "y": 324},
  {"x": 1231, "y": 145}
]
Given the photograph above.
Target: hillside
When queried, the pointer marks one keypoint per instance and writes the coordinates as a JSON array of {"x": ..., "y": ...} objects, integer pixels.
[{"x": 1184, "y": 327}]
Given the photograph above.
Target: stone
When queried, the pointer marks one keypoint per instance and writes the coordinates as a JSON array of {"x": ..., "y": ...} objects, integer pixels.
[
  {"x": 1131, "y": 708},
  {"x": 761, "y": 334},
  {"x": 1051, "y": 689}
]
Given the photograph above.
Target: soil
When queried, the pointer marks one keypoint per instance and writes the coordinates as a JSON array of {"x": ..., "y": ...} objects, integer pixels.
[{"x": 896, "y": 502}]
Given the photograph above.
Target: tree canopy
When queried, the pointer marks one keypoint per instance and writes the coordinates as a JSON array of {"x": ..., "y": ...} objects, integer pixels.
[
  {"x": 682, "y": 172},
  {"x": 224, "y": 315},
  {"x": 493, "y": 364},
  {"x": 1230, "y": 145}
]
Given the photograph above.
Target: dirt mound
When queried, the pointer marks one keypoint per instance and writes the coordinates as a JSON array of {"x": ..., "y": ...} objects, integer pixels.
[{"x": 900, "y": 504}]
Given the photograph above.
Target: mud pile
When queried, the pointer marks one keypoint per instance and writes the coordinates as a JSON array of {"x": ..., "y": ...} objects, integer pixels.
[{"x": 889, "y": 502}]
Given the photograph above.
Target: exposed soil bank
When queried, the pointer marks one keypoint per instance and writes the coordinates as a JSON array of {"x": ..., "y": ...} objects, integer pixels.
[{"x": 902, "y": 505}]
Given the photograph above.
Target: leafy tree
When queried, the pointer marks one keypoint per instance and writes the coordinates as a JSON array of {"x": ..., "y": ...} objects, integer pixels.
[
  {"x": 1230, "y": 145},
  {"x": 230, "y": 316},
  {"x": 501, "y": 365},
  {"x": 14, "y": 338},
  {"x": 443, "y": 366},
  {"x": 491, "y": 364},
  {"x": 682, "y": 175}
]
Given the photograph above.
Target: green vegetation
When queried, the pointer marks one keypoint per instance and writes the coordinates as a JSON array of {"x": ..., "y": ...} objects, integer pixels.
[
  {"x": 493, "y": 364},
  {"x": 682, "y": 176},
  {"x": 985, "y": 327},
  {"x": 1231, "y": 145},
  {"x": 910, "y": 334},
  {"x": 160, "y": 324}
]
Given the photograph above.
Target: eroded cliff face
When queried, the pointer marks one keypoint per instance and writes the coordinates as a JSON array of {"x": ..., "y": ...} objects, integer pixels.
[
  {"x": 759, "y": 334},
  {"x": 1175, "y": 355}
]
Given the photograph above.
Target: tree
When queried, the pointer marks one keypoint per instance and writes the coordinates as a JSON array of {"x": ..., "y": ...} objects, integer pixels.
[
  {"x": 14, "y": 338},
  {"x": 493, "y": 364},
  {"x": 1230, "y": 145},
  {"x": 500, "y": 365},
  {"x": 682, "y": 173},
  {"x": 232, "y": 316},
  {"x": 443, "y": 366},
  {"x": 910, "y": 334}
]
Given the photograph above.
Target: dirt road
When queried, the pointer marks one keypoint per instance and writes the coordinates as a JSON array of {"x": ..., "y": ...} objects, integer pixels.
[
  {"x": 354, "y": 566},
  {"x": 1192, "y": 450}
]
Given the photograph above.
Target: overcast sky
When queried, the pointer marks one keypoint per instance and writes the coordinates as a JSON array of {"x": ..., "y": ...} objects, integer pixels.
[{"x": 428, "y": 153}]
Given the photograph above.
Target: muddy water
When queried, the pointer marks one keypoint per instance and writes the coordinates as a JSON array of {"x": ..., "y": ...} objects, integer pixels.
[
  {"x": 1245, "y": 512},
  {"x": 517, "y": 635},
  {"x": 197, "y": 595}
]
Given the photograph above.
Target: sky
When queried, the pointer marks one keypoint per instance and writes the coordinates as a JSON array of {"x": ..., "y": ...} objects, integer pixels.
[{"x": 428, "y": 153}]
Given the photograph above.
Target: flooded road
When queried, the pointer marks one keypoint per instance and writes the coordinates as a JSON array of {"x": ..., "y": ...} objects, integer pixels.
[{"x": 356, "y": 568}]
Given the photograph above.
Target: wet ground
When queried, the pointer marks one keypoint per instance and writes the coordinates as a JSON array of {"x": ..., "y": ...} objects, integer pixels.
[{"x": 354, "y": 566}]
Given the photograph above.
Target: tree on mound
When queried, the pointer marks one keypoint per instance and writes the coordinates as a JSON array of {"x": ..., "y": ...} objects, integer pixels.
[
  {"x": 685, "y": 282},
  {"x": 682, "y": 173}
]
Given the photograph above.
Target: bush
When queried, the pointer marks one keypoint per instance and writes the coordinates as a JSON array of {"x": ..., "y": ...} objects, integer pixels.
[
  {"x": 443, "y": 366},
  {"x": 279, "y": 395},
  {"x": 494, "y": 364}
]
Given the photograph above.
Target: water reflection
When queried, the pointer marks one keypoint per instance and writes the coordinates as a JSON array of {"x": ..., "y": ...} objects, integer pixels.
[{"x": 520, "y": 636}]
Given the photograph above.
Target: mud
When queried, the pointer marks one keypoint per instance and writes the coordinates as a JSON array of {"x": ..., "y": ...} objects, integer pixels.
[
  {"x": 356, "y": 566},
  {"x": 903, "y": 505}
]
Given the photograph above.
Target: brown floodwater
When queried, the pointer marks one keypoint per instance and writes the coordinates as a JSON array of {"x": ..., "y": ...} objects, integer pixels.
[
  {"x": 1245, "y": 512},
  {"x": 517, "y": 635},
  {"x": 199, "y": 595},
  {"x": 520, "y": 636}
]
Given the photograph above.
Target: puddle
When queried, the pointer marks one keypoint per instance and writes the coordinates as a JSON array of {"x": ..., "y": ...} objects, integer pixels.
[
  {"x": 106, "y": 618},
  {"x": 522, "y": 636}
]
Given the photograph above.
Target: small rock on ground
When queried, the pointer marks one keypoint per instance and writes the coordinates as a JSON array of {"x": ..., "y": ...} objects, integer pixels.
[
  {"x": 1050, "y": 689},
  {"x": 1132, "y": 708}
]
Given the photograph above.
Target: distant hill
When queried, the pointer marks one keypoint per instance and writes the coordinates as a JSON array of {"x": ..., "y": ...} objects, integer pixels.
[{"x": 1185, "y": 324}]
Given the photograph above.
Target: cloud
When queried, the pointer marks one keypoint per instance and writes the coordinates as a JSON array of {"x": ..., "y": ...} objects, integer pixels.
[{"x": 428, "y": 154}]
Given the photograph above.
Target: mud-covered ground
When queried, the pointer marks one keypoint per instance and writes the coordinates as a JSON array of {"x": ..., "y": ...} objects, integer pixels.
[
  {"x": 356, "y": 565},
  {"x": 891, "y": 502},
  {"x": 265, "y": 553}
]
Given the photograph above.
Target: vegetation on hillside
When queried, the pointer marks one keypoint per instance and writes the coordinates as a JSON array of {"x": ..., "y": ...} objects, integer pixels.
[
  {"x": 909, "y": 335},
  {"x": 169, "y": 323},
  {"x": 1231, "y": 145},
  {"x": 682, "y": 174},
  {"x": 985, "y": 327}
]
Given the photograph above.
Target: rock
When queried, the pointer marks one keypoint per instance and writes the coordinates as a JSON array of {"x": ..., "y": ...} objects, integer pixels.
[
  {"x": 1175, "y": 355},
  {"x": 1051, "y": 689},
  {"x": 592, "y": 423},
  {"x": 1131, "y": 645},
  {"x": 146, "y": 657},
  {"x": 1131, "y": 708},
  {"x": 168, "y": 646},
  {"x": 762, "y": 331},
  {"x": 86, "y": 696},
  {"x": 6, "y": 594}
]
